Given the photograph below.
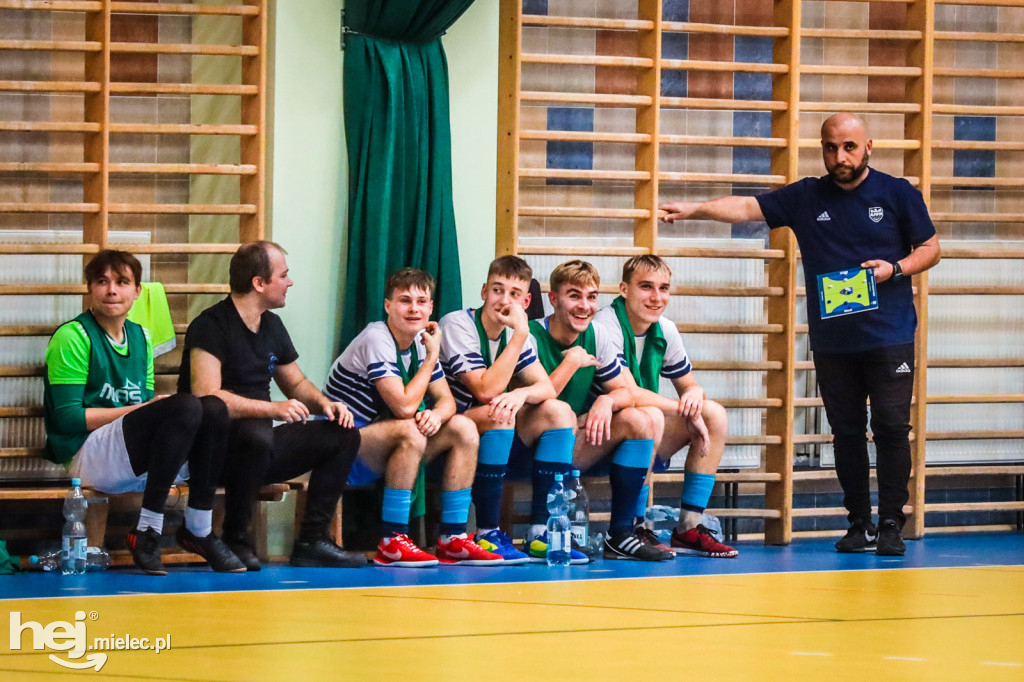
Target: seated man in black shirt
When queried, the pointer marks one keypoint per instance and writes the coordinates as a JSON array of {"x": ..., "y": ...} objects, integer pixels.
[{"x": 232, "y": 350}]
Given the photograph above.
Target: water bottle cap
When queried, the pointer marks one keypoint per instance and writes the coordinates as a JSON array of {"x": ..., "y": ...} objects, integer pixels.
[
  {"x": 33, "y": 560},
  {"x": 76, "y": 483},
  {"x": 558, "y": 477},
  {"x": 575, "y": 473}
]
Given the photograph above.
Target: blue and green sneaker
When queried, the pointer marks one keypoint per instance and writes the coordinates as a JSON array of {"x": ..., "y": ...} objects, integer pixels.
[{"x": 499, "y": 543}]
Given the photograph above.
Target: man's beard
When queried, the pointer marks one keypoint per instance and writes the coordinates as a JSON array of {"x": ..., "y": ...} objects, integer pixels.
[{"x": 842, "y": 176}]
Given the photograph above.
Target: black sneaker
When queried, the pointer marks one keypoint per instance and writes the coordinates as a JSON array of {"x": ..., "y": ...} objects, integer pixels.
[
  {"x": 649, "y": 537},
  {"x": 890, "y": 542},
  {"x": 631, "y": 545},
  {"x": 860, "y": 537},
  {"x": 241, "y": 547},
  {"x": 145, "y": 548},
  {"x": 323, "y": 553},
  {"x": 211, "y": 548}
]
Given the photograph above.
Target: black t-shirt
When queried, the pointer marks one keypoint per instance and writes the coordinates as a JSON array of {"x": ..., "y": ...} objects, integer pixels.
[{"x": 247, "y": 360}]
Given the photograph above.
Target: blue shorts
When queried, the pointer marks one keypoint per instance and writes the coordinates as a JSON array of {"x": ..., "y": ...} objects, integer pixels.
[{"x": 361, "y": 474}]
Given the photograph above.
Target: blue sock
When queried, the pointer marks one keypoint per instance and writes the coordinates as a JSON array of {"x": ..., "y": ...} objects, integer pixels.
[
  {"x": 697, "y": 489},
  {"x": 553, "y": 456},
  {"x": 626, "y": 474},
  {"x": 641, "y": 503},
  {"x": 454, "y": 511},
  {"x": 395, "y": 511},
  {"x": 492, "y": 460}
]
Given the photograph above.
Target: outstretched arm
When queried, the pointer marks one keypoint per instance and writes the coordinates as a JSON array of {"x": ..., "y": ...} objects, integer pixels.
[{"x": 725, "y": 209}]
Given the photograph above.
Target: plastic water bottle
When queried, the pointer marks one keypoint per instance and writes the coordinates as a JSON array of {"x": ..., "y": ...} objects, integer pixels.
[
  {"x": 579, "y": 509},
  {"x": 73, "y": 553},
  {"x": 712, "y": 523},
  {"x": 96, "y": 559},
  {"x": 559, "y": 529}
]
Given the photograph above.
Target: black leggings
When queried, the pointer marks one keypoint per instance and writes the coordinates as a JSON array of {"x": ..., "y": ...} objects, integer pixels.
[
  {"x": 164, "y": 434},
  {"x": 261, "y": 453}
]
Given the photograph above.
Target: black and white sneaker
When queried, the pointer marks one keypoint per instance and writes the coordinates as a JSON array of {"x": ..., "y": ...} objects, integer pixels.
[
  {"x": 890, "y": 541},
  {"x": 861, "y": 537},
  {"x": 631, "y": 545}
]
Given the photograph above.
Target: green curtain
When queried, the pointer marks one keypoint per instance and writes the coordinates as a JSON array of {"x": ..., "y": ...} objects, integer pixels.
[{"x": 398, "y": 132}]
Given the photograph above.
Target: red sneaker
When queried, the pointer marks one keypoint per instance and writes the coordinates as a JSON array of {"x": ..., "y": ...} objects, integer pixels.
[
  {"x": 701, "y": 541},
  {"x": 463, "y": 550},
  {"x": 399, "y": 550}
]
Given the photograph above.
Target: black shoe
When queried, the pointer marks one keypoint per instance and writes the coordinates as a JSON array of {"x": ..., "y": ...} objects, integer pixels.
[
  {"x": 890, "y": 542},
  {"x": 211, "y": 548},
  {"x": 145, "y": 548},
  {"x": 241, "y": 547},
  {"x": 323, "y": 553},
  {"x": 861, "y": 537},
  {"x": 630, "y": 545}
]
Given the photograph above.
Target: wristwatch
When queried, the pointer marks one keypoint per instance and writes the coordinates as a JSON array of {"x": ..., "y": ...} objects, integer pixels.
[{"x": 897, "y": 272}]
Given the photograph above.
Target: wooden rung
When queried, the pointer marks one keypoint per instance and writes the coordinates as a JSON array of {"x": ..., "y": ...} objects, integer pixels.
[
  {"x": 976, "y": 470},
  {"x": 949, "y": 72},
  {"x": 985, "y": 290},
  {"x": 803, "y": 365},
  {"x": 800, "y": 329},
  {"x": 55, "y": 168},
  {"x": 975, "y": 363},
  {"x": 861, "y": 107},
  {"x": 747, "y": 178},
  {"x": 711, "y": 141},
  {"x": 22, "y": 371},
  {"x": 989, "y": 434},
  {"x": 28, "y": 329},
  {"x": 731, "y": 67},
  {"x": 744, "y": 513},
  {"x": 993, "y": 506},
  {"x": 21, "y": 412},
  {"x": 804, "y": 512},
  {"x": 172, "y": 288},
  {"x": 719, "y": 104},
  {"x": 576, "y": 174},
  {"x": 183, "y": 129},
  {"x": 50, "y": 86},
  {"x": 179, "y": 248},
  {"x": 858, "y": 34},
  {"x": 566, "y": 212},
  {"x": 42, "y": 289},
  {"x": 730, "y": 328},
  {"x": 819, "y": 475},
  {"x": 583, "y": 136},
  {"x": 851, "y": 70},
  {"x": 984, "y": 3},
  {"x": 586, "y": 60},
  {"x": 749, "y": 403},
  {"x": 753, "y": 440},
  {"x": 187, "y": 48},
  {"x": 166, "y": 8},
  {"x": 586, "y": 22},
  {"x": 979, "y": 144},
  {"x": 723, "y": 477},
  {"x": 48, "y": 249},
  {"x": 52, "y": 45},
  {"x": 807, "y": 402},
  {"x": 190, "y": 209},
  {"x": 52, "y": 5},
  {"x": 181, "y": 89},
  {"x": 980, "y": 37},
  {"x": 978, "y": 218},
  {"x": 541, "y": 250},
  {"x": 812, "y": 438},
  {"x": 975, "y": 399},
  {"x": 815, "y": 143},
  {"x": 586, "y": 98},
  {"x": 960, "y": 252},
  {"x": 977, "y": 109},
  {"x": 49, "y": 126},
  {"x": 704, "y": 252},
  {"x": 19, "y": 453},
  {"x": 949, "y": 181},
  {"x": 741, "y": 292},
  {"x": 180, "y": 328},
  {"x": 185, "y": 168},
  {"x": 40, "y": 207},
  {"x": 738, "y": 365},
  {"x": 721, "y": 29}
]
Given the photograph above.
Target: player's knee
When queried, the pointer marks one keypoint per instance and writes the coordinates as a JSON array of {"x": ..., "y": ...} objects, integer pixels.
[
  {"x": 715, "y": 417},
  {"x": 635, "y": 424},
  {"x": 558, "y": 414},
  {"x": 657, "y": 419},
  {"x": 408, "y": 435},
  {"x": 215, "y": 412},
  {"x": 463, "y": 431}
]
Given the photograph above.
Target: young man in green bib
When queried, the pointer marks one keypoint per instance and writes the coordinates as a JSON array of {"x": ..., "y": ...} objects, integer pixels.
[
  {"x": 652, "y": 348},
  {"x": 586, "y": 371},
  {"x": 391, "y": 380},
  {"x": 104, "y": 423},
  {"x": 490, "y": 360}
]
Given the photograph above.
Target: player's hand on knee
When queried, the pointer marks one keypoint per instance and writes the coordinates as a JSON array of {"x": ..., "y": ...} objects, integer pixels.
[
  {"x": 699, "y": 437},
  {"x": 691, "y": 402},
  {"x": 290, "y": 411},
  {"x": 599, "y": 422},
  {"x": 427, "y": 422},
  {"x": 339, "y": 412}
]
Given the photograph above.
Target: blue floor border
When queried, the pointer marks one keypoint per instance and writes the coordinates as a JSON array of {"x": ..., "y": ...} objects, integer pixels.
[{"x": 939, "y": 551}]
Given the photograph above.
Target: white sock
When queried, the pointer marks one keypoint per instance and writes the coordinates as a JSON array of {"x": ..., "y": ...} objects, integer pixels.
[
  {"x": 480, "y": 532},
  {"x": 199, "y": 521},
  {"x": 448, "y": 538},
  {"x": 537, "y": 529},
  {"x": 150, "y": 519},
  {"x": 689, "y": 519}
]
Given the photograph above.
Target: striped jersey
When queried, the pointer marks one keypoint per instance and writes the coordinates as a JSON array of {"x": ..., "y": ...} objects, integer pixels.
[{"x": 676, "y": 363}]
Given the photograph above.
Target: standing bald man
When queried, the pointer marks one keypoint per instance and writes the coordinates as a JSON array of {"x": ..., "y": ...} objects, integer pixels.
[{"x": 854, "y": 216}]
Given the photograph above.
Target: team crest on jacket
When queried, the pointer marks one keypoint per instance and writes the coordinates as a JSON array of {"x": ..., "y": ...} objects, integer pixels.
[{"x": 876, "y": 213}]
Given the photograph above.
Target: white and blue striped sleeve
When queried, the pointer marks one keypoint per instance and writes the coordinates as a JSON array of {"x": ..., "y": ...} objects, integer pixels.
[
  {"x": 437, "y": 372},
  {"x": 460, "y": 345},
  {"x": 608, "y": 324},
  {"x": 676, "y": 364},
  {"x": 528, "y": 355},
  {"x": 609, "y": 363}
]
